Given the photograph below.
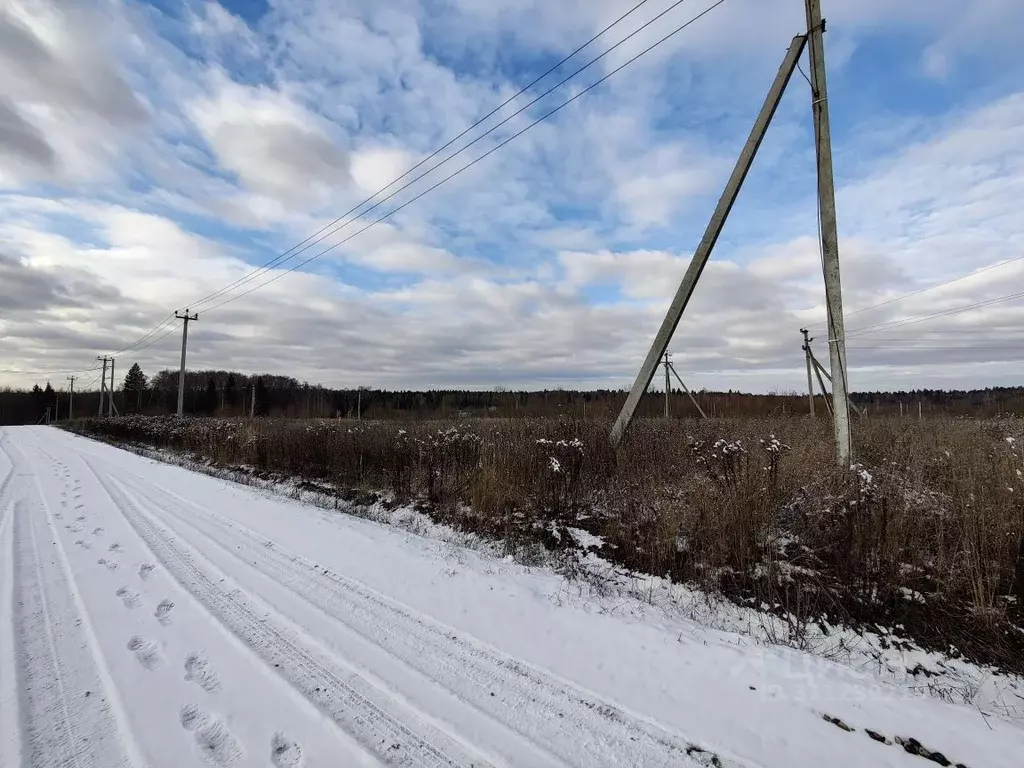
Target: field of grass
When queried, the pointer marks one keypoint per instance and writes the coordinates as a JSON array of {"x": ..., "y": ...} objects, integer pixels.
[{"x": 926, "y": 533}]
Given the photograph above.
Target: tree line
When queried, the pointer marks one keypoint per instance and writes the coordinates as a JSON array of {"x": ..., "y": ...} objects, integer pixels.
[{"x": 231, "y": 394}]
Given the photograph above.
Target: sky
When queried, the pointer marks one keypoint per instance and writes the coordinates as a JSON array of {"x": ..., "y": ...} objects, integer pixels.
[{"x": 154, "y": 153}]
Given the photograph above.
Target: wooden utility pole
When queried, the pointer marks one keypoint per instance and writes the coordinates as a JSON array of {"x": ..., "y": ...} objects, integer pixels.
[
  {"x": 181, "y": 373},
  {"x": 807, "y": 360},
  {"x": 829, "y": 233},
  {"x": 71, "y": 398},
  {"x": 707, "y": 243},
  {"x": 252, "y": 402}
]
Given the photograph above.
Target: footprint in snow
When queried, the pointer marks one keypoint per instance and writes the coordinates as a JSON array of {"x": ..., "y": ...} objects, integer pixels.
[
  {"x": 145, "y": 570},
  {"x": 285, "y": 752},
  {"x": 163, "y": 614},
  {"x": 198, "y": 670},
  {"x": 115, "y": 547},
  {"x": 218, "y": 745},
  {"x": 111, "y": 565},
  {"x": 76, "y": 528},
  {"x": 80, "y": 518},
  {"x": 129, "y": 597},
  {"x": 83, "y": 544},
  {"x": 97, "y": 531},
  {"x": 147, "y": 652}
]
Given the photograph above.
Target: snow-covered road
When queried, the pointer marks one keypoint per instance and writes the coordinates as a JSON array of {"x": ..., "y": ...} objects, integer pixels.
[{"x": 150, "y": 616}]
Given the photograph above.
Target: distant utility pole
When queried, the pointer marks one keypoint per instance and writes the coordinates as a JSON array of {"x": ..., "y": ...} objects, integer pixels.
[
  {"x": 184, "y": 342},
  {"x": 103, "y": 381},
  {"x": 668, "y": 382},
  {"x": 71, "y": 398},
  {"x": 686, "y": 389},
  {"x": 829, "y": 234},
  {"x": 252, "y": 402},
  {"x": 819, "y": 369},
  {"x": 807, "y": 359},
  {"x": 110, "y": 394}
]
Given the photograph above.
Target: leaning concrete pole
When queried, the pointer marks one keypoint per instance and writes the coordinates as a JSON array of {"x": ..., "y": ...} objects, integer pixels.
[
  {"x": 829, "y": 235},
  {"x": 707, "y": 243}
]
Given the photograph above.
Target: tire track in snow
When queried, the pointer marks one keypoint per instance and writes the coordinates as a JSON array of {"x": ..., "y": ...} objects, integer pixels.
[
  {"x": 576, "y": 726},
  {"x": 10, "y": 726},
  {"x": 10, "y": 468},
  {"x": 354, "y": 704},
  {"x": 69, "y": 712}
]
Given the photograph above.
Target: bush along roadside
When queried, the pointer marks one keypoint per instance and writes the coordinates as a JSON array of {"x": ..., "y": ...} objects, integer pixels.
[{"x": 925, "y": 534}]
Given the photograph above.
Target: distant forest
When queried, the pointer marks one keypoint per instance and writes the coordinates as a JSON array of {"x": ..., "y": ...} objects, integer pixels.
[{"x": 230, "y": 394}]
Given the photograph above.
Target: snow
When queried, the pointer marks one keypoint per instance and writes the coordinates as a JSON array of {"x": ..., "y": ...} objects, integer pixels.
[{"x": 230, "y": 627}]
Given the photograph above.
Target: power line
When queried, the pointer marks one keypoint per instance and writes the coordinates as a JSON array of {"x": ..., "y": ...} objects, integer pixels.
[
  {"x": 306, "y": 244},
  {"x": 155, "y": 329},
  {"x": 469, "y": 165},
  {"x": 1009, "y": 345},
  {"x": 945, "y": 313},
  {"x": 930, "y": 287},
  {"x": 14, "y": 371},
  {"x": 170, "y": 329}
]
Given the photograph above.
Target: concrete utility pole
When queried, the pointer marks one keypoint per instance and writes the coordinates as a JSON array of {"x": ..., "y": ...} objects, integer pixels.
[
  {"x": 668, "y": 383},
  {"x": 829, "y": 234},
  {"x": 110, "y": 394},
  {"x": 71, "y": 398},
  {"x": 181, "y": 373},
  {"x": 707, "y": 243},
  {"x": 103, "y": 382},
  {"x": 252, "y": 402},
  {"x": 807, "y": 359}
]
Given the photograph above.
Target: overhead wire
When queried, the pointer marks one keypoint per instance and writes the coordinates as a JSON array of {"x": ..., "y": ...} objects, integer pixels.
[
  {"x": 469, "y": 165},
  {"x": 155, "y": 329},
  {"x": 881, "y": 327},
  {"x": 304, "y": 245},
  {"x": 14, "y": 371},
  {"x": 926, "y": 289}
]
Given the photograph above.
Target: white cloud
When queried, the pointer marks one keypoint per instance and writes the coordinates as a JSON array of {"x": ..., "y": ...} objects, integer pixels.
[
  {"x": 276, "y": 147},
  {"x": 63, "y": 103}
]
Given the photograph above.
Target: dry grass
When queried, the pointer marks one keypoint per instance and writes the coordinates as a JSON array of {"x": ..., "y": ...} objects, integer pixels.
[{"x": 926, "y": 532}]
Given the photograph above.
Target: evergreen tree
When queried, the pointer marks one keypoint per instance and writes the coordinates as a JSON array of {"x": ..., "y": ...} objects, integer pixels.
[{"x": 135, "y": 384}]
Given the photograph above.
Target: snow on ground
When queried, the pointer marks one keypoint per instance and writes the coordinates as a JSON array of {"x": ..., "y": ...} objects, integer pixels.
[{"x": 154, "y": 616}]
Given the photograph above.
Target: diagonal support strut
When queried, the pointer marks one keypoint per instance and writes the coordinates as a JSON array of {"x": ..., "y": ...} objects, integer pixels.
[{"x": 711, "y": 234}]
